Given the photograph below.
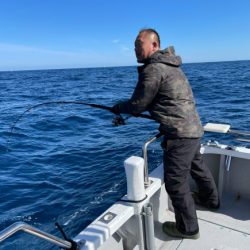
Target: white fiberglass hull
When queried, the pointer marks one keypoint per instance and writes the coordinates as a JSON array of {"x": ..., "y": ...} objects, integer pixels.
[{"x": 122, "y": 225}]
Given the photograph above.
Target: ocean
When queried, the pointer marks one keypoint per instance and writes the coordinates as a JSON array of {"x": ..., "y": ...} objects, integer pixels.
[{"x": 64, "y": 163}]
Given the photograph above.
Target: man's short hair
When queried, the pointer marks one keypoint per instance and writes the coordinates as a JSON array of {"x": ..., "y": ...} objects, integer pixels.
[{"x": 152, "y": 31}]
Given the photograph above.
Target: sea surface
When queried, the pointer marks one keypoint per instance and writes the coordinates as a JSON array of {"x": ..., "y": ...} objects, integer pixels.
[{"x": 64, "y": 163}]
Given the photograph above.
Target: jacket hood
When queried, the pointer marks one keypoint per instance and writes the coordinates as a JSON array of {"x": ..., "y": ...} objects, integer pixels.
[{"x": 166, "y": 56}]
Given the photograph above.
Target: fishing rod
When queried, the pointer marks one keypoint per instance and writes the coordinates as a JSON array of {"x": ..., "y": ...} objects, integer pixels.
[{"x": 119, "y": 120}]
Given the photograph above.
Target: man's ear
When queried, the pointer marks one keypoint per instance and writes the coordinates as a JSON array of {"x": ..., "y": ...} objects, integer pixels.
[{"x": 155, "y": 46}]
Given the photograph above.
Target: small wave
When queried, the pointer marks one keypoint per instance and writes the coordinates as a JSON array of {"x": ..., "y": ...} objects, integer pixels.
[
  {"x": 28, "y": 78},
  {"x": 47, "y": 185},
  {"x": 3, "y": 148},
  {"x": 7, "y": 78},
  {"x": 15, "y": 133},
  {"x": 239, "y": 101},
  {"x": 233, "y": 111},
  {"x": 75, "y": 215},
  {"x": 47, "y": 125},
  {"x": 92, "y": 204},
  {"x": 31, "y": 218},
  {"x": 98, "y": 199},
  {"x": 80, "y": 119},
  {"x": 73, "y": 78}
]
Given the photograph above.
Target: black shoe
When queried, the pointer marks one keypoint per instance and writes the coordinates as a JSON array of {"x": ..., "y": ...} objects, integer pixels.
[
  {"x": 206, "y": 204},
  {"x": 170, "y": 229}
]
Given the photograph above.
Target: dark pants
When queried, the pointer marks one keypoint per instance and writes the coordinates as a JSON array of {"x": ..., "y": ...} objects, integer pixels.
[{"x": 181, "y": 157}]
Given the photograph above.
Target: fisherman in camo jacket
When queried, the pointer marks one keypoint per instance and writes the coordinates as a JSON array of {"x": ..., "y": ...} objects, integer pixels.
[{"x": 164, "y": 91}]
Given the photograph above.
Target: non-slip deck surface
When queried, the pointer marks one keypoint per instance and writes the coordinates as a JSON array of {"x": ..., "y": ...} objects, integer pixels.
[{"x": 225, "y": 229}]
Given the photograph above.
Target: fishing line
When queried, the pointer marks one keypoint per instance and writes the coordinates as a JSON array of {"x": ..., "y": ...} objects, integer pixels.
[{"x": 118, "y": 120}]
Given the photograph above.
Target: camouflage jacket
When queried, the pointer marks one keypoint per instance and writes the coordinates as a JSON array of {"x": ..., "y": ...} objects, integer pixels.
[{"x": 164, "y": 91}]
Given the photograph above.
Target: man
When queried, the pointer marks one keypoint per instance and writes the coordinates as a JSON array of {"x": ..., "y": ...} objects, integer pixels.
[{"x": 164, "y": 91}]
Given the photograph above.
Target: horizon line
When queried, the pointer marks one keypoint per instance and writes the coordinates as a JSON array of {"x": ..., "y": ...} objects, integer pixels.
[{"x": 92, "y": 67}]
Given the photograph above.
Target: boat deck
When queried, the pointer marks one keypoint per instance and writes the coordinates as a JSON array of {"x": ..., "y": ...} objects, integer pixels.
[{"x": 228, "y": 228}]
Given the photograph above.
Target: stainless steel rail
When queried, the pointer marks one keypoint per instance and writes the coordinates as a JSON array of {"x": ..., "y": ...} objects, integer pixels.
[
  {"x": 145, "y": 157},
  {"x": 21, "y": 226}
]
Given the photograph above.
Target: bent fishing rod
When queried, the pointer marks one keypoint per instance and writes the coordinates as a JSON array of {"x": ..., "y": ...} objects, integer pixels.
[{"x": 118, "y": 120}]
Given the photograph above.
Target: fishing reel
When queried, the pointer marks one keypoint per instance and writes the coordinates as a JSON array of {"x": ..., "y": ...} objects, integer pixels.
[{"x": 118, "y": 120}]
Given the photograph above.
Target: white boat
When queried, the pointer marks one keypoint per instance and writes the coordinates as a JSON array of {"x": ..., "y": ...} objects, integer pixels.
[{"x": 135, "y": 222}]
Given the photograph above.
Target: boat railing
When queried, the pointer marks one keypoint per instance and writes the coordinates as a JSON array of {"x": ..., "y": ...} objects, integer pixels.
[
  {"x": 145, "y": 157},
  {"x": 21, "y": 226}
]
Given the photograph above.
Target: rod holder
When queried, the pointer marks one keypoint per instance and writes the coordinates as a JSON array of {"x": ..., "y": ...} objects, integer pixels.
[
  {"x": 149, "y": 226},
  {"x": 134, "y": 167}
]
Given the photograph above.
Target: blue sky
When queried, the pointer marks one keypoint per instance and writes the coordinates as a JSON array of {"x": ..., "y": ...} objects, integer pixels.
[{"x": 72, "y": 33}]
